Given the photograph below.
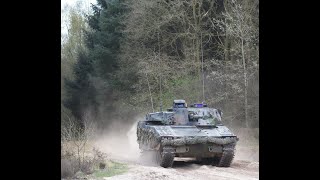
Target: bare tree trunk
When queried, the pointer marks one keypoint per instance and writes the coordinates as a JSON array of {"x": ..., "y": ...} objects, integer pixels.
[
  {"x": 160, "y": 65},
  {"x": 203, "y": 97},
  {"x": 83, "y": 150},
  {"x": 195, "y": 35},
  {"x": 79, "y": 157},
  {"x": 197, "y": 40},
  {"x": 150, "y": 92},
  {"x": 245, "y": 84}
]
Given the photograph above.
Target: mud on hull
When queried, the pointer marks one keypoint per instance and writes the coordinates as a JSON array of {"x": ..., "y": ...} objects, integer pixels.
[
  {"x": 215, "y": 146},
  {"x": 208, "y": 153}
]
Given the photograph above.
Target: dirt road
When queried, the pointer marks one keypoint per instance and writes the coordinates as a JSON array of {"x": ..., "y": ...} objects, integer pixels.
[
  {"x": 244, "y": 167},
  {"x": 190, "y": 170}
]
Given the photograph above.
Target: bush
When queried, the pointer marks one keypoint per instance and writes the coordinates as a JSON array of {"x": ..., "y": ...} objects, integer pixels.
[
  {"x": 70, "y": 162},
  {"x": 67, "y": 169}
]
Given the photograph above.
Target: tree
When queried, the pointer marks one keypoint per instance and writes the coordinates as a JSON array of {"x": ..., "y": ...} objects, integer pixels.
[
  {"x": 240, "y": 25},
  {"x": 75, "y": 137},
  {"x": 143, "y": 52},
  {"x": 81, "y": 91},
  {"x": 72, "y": 42},
  {"x": 167, "y": 39}
]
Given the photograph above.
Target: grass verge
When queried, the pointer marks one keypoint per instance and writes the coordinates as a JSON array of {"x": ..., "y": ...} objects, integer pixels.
[{"x": 112, "y": 169}]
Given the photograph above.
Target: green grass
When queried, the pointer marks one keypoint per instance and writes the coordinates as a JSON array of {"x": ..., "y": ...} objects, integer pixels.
[{"x": 112, "y": 169}]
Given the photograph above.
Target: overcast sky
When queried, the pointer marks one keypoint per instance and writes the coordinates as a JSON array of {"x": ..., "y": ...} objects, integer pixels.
[{"x": 73, "y": 2}]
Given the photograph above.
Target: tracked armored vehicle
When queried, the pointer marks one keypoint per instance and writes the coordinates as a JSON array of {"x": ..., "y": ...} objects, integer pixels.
[{"x": 182, "y": 131}]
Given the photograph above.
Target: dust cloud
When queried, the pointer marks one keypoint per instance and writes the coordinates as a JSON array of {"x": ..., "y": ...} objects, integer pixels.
[
  {"x": 119, "y": 141},
  {"x": 247, "y": 147}
]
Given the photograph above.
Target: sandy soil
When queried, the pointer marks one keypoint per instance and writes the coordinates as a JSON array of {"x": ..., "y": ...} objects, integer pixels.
[{"x": 190, "y": 170}]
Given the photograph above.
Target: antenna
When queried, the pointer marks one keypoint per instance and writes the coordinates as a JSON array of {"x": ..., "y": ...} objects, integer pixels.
[
  {"x": 202, "y": 70},
  {"x": 160, "y": 74}
]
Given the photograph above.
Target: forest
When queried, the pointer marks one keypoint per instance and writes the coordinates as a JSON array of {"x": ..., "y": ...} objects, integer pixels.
[{"x": 124, "y": 58}]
